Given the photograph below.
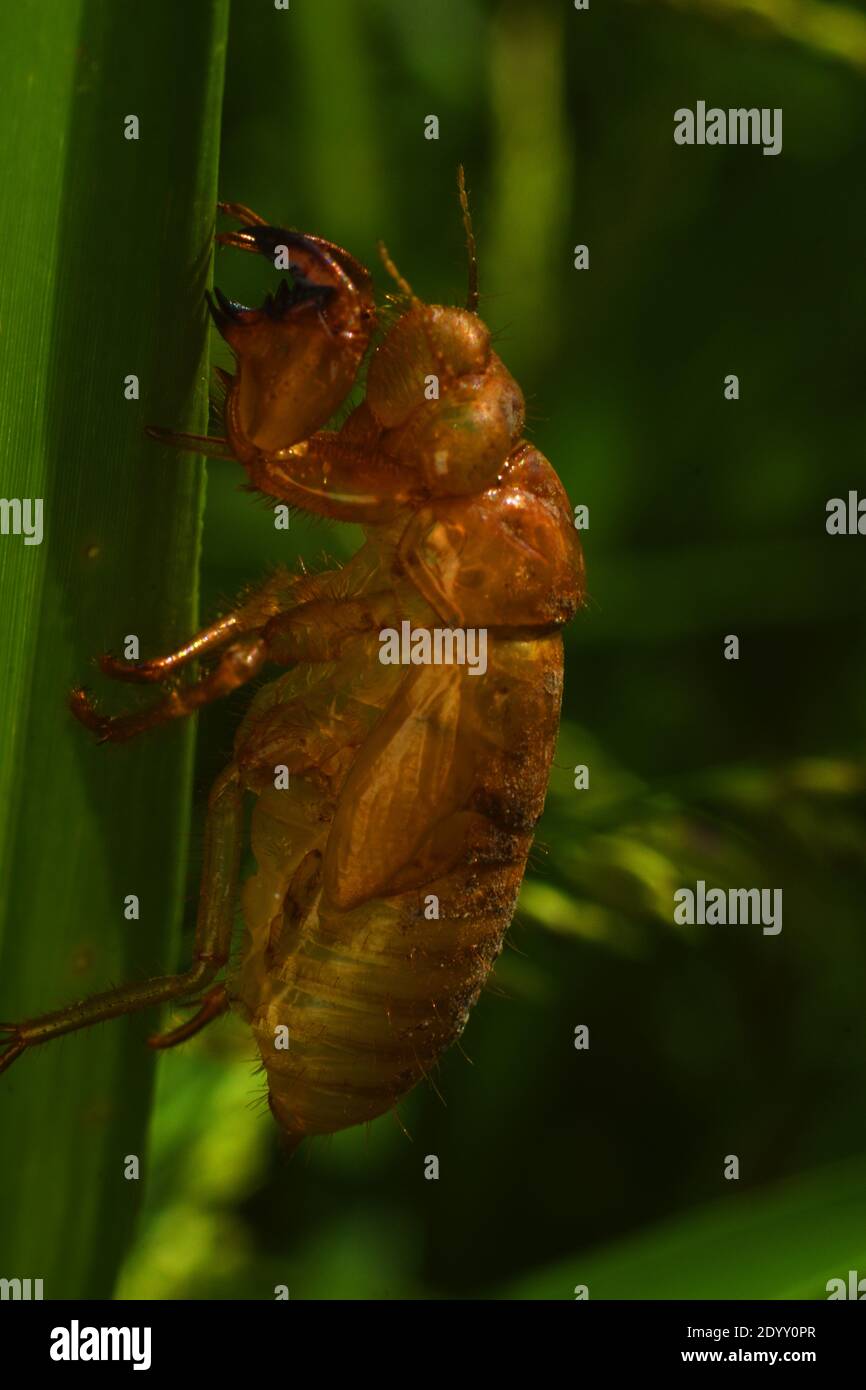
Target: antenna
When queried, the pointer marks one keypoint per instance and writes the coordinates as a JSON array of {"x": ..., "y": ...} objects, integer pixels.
[{"x": 472, "y": 292}]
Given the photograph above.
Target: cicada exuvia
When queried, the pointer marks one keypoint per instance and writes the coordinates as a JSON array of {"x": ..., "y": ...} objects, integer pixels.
[{"x": 390, "y": 856}]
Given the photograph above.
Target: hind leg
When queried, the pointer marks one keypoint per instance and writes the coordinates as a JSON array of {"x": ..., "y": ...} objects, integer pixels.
[
  {"x": 222, "y": 853},
  {"x": 214, "y": 1003}
]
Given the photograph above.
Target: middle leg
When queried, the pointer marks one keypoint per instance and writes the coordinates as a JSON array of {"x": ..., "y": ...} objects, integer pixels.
[
  {"x": 260, "y": 626},
  {"x": 240, "y": 662},
  {"x": 270, "y": 598}
]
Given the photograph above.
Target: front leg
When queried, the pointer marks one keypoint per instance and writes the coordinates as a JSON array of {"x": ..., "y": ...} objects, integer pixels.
[{"x": 335, "y": 475}]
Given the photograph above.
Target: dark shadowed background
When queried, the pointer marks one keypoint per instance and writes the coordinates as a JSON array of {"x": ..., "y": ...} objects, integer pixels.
[
  {"x": 706, "y": 518},
  {"x": 605, "y": 1166}
]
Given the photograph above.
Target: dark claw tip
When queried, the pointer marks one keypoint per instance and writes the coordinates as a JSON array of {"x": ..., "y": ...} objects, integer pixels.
[{"x": 229, "y": 306}]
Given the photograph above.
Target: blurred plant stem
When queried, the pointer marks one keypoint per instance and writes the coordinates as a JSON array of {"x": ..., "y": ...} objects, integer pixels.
[
  {"x": 526, "y": 254},
  {"x": 837, "y": 30}
]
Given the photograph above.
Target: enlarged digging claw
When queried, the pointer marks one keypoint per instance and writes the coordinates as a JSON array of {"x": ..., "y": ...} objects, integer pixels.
[
  {"x": 228, "y": 311},
  {"x": 313, "y": 327}
]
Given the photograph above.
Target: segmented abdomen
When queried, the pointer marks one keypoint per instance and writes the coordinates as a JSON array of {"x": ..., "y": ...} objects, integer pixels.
[{"x": 373, "y": 992}]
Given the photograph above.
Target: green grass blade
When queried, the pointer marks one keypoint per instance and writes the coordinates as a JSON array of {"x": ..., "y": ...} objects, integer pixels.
[
  {"x": 784, "y": 1242},
  {"x": 104, "y": 255}
]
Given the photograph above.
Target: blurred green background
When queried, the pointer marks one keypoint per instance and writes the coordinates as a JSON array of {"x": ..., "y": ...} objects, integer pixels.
[
  {"x": 602, "y": 1167},
  {"x": 706, "y": 518}
]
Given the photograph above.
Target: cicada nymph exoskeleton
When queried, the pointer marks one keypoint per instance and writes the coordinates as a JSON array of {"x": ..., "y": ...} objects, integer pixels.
[{"x": 390, "y": 857}]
